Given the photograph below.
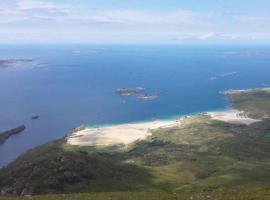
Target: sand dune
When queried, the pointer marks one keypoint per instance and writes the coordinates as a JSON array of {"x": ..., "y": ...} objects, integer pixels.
[{"x": 232, "y": 116}]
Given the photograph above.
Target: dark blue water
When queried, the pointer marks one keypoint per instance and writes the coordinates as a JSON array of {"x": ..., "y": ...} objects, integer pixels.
[{"x": 70, "y": 85}]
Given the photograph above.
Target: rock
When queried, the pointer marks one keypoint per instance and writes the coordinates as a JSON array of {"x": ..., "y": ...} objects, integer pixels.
[
  {"x": 125, "y": 91},
  {"x": 79, "y": 128},
  {"x": 130, "y": 91},
  {"x": 35, "y": 117},
  {"x": 75, "y": 130}
]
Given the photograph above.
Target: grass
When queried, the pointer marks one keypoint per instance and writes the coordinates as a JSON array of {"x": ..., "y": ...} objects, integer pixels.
[
  {"x": 267, "y": 136},
  {"x": 218, "y": 194},
  {"x": 254, "y": 102}
]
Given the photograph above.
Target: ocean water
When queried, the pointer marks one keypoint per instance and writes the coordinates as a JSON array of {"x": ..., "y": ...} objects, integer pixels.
[{"x": 69, "y": 85}]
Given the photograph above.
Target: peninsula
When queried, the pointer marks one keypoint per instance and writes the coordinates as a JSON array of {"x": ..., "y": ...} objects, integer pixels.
[{"x": 6, "y": 134}]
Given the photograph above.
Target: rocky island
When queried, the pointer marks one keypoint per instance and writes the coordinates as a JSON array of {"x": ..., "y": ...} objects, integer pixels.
[
  {"x": 138, "y": 90},
  {"x": 130, "y": 91},
  {"x": 35, "y": 117},
  {"x": 13, "y": 62},
  {"x": 5, "y": 135},
  {"x": 125, "y": 91}
]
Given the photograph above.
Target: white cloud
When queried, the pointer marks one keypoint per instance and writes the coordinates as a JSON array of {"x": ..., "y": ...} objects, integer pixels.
[
  {"x": 39, "y": 4},
  {"x": 40, "y": 20},
  {"x": 207, "y": 36},
  {"x": 254, "y": 21},
  {"x": 23, "y": 10},
  {"x": 30, "y": 10}
]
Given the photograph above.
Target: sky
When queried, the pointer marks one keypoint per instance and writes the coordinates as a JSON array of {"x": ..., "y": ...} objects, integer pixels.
[{"x": 134, "y": 21}]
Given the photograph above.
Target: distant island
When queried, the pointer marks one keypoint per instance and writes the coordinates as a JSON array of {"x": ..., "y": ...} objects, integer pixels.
[
  {"x": 138, "y": 90},
  {"x": 130, "y": 91},
  {"x": 13, "y": 62},
  {"x": 6, "y": 134},
  {"x": 35, "y": 117},
  {"x": 125, "y": 91}
]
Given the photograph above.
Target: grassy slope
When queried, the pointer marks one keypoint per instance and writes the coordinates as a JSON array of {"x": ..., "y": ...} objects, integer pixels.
[
  {"x": 203, "y": 155},
  {"x": 255, "y": 102}
]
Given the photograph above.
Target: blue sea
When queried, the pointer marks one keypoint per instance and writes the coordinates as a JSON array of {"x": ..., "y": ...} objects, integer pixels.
[{"x": 70, "y": 85}]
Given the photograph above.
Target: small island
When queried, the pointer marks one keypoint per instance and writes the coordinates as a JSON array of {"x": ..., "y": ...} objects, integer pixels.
[
  {"x": 130, "y": 91},
  {"x": 140, "y": 91},
  {"x": 13, "y": 62},
  {"x": 125, "y": 91},
  {"x": 35, "y": 117},
  {"x": 5, "y": 135}
]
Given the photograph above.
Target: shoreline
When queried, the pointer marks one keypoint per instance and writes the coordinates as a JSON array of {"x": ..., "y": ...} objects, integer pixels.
[
  {"x": 128, "y": 133},
  {"x": 167, "y": 118},
  {"x": 117, "y": 134}
]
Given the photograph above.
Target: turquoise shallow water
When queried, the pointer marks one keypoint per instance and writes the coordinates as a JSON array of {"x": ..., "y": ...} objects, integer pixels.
[{"x": 68, "y": 85}]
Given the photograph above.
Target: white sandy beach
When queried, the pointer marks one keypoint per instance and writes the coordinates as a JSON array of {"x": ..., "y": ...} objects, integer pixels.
[
  {"x": 129, "y": 133},
  {"x": 232, "y": 116},
  {"x": 117, "y": 134}
]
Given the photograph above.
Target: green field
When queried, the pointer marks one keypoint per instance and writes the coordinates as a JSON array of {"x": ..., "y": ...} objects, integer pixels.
[{"x": 202, "y": 159}]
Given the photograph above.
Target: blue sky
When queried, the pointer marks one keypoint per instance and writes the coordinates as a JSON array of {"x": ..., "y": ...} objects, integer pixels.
[{"x": 134, "y": 21}]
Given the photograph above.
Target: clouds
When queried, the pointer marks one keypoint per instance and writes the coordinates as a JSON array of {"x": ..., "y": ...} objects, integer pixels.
[
  {"x": 39, "y": 4},
  {"x": 207, "y": 36},
  {"x": 51, "y": 21},
  {"x": 259, "y": 21},
  {"x": 27, "y": 11}
]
